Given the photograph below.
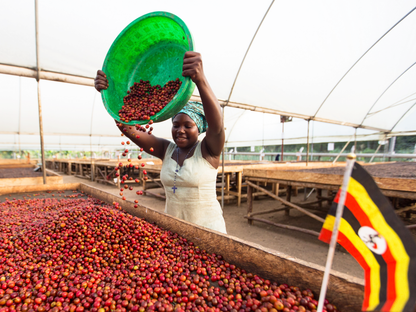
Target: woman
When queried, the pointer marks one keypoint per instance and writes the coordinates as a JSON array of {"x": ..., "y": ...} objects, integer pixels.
[{"x": 189, "y": 169}]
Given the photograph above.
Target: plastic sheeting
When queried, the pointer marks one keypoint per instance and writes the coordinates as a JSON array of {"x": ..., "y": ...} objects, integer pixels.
[{"x": 345, "y": 62}]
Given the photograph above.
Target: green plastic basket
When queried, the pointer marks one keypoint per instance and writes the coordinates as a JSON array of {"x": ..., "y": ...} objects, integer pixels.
[{"x": 151, "y": 48}]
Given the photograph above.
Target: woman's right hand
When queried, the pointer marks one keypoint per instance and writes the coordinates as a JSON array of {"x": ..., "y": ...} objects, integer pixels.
[{"x": 100, "y": 81}]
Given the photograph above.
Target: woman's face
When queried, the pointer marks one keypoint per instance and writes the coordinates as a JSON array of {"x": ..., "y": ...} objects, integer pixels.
[{"x": 184, "y": 131}]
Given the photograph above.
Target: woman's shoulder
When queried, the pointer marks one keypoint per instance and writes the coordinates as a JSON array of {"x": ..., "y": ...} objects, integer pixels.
[
  {"x": 212, "y": 160},
  {"x": 169, "y": 150}
]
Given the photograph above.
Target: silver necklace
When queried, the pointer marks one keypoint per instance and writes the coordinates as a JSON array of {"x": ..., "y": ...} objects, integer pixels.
[{"x": 174, "y": 188}]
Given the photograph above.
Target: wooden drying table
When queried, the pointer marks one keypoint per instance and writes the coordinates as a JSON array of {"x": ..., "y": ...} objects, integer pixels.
[
  {"x": 78, "y": 167},
  {"x": 390, "y": 187},
  {"x": 233, "y": 176},
  {"x": 66, "y": 166}
]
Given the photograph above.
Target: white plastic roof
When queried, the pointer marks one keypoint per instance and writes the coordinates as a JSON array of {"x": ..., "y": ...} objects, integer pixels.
[{"x": 347, "y": 63}]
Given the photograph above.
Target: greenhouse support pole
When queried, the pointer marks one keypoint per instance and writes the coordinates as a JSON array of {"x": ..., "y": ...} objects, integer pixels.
[
  {"x": 355, "y": 140},
  {"x": 283, "y": 135},
  {"x": 222, "y": 167},
  {"x": 92, "y": 116},
  {"x": 307, "y": 145},
  {"x": 20, "y": 111},
  {"x": 42, "y": 149},
  {"x": 392, "y": 146}
]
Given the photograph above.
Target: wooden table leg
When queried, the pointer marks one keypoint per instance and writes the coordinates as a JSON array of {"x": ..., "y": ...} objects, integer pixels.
[
  {"x": 288, "y": 197},
  {"x": 239, "y": 176},
  {"x": 319, "y": 195},
  {"x": 276, "y": 188},
  {"x": 227, "y": 186},
  {"x": 249, "y": 203},
  {"x": 92, "y": 172}
]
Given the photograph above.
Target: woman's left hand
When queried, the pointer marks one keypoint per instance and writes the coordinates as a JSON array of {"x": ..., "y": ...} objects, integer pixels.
[{"x": 192, "y": 66}]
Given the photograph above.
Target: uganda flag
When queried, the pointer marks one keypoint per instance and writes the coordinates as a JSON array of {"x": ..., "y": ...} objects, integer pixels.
[{"x": 372, "y": 233}]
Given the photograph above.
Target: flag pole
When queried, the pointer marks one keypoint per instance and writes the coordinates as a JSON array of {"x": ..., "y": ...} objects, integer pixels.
[{"x": 333, "y": 243}]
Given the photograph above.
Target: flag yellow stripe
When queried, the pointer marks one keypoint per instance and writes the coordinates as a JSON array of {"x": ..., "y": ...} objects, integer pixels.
[
  {"x": 346, "y": 229},
  {"x": 393, "y": 241}
]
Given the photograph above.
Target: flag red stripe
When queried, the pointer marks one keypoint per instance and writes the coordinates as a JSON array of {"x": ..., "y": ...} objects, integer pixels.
[
  {"x": 346, "y": 243},
  {"x": 325, "y": 235}
]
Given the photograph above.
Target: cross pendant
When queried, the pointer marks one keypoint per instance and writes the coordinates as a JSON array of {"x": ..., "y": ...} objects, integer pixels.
[{"x": 174, "y": 188}]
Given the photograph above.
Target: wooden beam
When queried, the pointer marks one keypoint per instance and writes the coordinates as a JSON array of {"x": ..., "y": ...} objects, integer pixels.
[
  {"x": 284, "y": 226},
  {"x": 285, "y": 202}
]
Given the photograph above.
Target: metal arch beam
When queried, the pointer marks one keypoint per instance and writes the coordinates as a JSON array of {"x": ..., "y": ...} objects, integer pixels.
[
  {"x": 359, "y": 59},
  {"x": 245, "y": 55},
  {"x": 410, "y": 108},
  {"x": 381, "y": 95}
]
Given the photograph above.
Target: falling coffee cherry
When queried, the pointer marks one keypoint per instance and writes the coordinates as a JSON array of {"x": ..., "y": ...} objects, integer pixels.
[{"x": 151, "y": 149}]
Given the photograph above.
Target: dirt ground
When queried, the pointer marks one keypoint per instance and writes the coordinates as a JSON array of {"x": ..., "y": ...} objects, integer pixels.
[{"x": 292, "y": 243}]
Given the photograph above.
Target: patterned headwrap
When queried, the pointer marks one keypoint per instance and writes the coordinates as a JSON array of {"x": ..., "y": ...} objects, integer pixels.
[{"x": 195, "y": 111}]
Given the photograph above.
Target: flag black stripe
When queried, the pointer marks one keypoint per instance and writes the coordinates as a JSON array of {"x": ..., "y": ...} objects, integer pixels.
[{"x": 352, "y": 220}]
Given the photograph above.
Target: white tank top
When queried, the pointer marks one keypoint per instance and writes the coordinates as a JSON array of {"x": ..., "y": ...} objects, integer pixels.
[{"x": 195, "y": 197}]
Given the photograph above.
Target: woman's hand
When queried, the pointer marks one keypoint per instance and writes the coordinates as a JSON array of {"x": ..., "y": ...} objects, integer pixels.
[
  {"x": 100, "y": 81},
  {"x": 192, "y": 67}
]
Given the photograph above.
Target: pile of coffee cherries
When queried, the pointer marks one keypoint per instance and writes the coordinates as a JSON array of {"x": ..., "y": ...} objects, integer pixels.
[
  {"x": 78, "y": 254},
  {"x": 144, "y": 100}
]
